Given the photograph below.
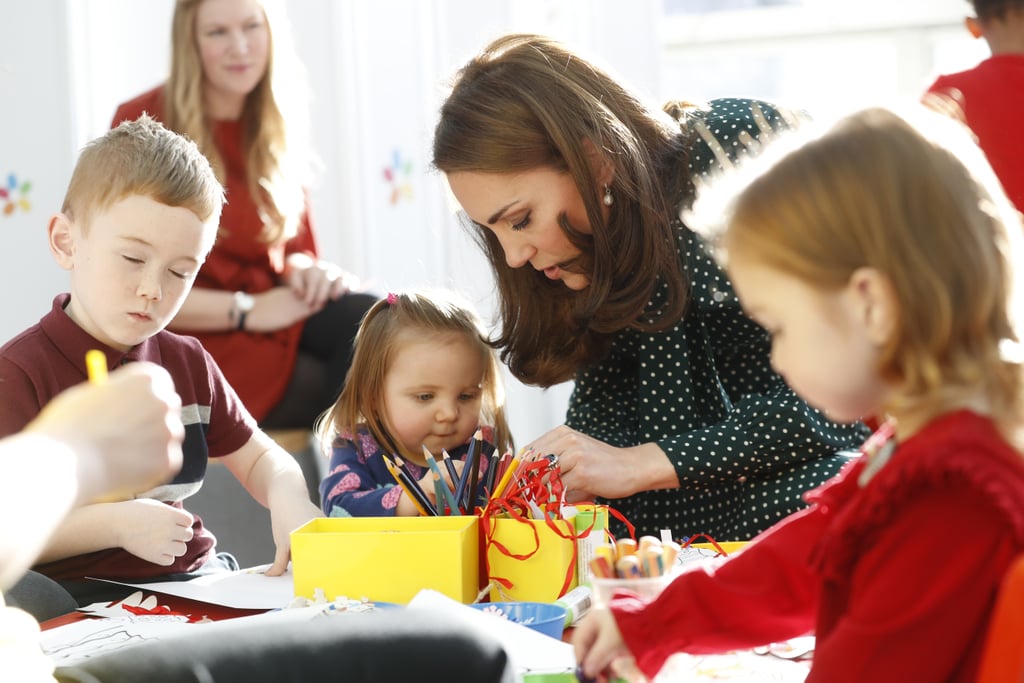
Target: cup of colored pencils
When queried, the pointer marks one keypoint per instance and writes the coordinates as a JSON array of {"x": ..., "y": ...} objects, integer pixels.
[{"x": 642, "y": 567}]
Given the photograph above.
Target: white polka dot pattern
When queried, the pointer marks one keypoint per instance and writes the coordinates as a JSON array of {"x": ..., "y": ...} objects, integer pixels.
[{"x": 744, "y": 446}]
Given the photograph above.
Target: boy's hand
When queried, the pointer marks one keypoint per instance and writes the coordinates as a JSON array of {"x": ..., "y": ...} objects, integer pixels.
[
  {"x": 285, "y": 518},
  {"x": 154, "y": 531}
]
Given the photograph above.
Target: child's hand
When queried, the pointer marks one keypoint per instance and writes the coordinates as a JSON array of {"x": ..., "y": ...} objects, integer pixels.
[
  {"x": 598, "y": 642},
  {"x": 154, "y": 531},
  {"x": 286, "y": 517}
]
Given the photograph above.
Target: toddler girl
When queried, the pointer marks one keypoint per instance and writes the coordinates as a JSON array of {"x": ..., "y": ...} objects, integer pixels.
[
  {"x": 423, "y": 377},
  {"x": 881, "y": 257}
]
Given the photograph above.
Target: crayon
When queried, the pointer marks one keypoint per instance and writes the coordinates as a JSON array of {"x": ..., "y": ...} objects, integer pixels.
[{"x": 96, "y": 366}]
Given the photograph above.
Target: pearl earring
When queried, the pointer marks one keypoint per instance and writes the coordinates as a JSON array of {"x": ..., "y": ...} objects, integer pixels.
[{"x": 608, "y": 199}]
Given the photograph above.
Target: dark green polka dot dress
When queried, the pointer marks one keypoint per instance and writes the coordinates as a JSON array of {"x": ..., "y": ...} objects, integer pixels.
[{"x": 744, "y": 446}]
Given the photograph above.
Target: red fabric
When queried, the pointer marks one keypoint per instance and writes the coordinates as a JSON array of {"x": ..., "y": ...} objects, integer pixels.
[
  {"x": 897, "y": 579},
  {"x": 991, "y": 96},
  {"x": 258, "y": 365}
]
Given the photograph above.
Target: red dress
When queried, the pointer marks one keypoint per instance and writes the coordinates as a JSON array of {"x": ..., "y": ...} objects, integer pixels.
[
  {"x": 896, "y": 577},
  {"x": 991, "y": 96},
  {"x": 257, "y": 365}
]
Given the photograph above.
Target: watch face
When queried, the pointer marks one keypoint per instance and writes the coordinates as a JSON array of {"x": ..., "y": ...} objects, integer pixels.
[{"x": 244, "y": 302}]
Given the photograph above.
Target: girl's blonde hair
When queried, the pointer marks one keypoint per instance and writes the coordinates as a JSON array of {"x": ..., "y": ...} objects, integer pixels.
[
  {"x": 385, "y": 327},
  {"x": 275, "y": 118},
  {"x": 910, "y": 195}
]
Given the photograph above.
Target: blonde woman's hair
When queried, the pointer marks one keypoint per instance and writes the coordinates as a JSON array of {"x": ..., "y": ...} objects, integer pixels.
[
  {"x": 910, "y": 195},
  {"x": 275, "y": 118},
  {"x": 389, "y": 324},
  {"x": 144, "y": 158}
]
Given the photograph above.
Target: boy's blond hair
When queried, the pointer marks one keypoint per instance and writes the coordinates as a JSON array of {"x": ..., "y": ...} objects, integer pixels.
[
  {"x": 390, "y": 323},
  {"x": 142, "y": 157}
]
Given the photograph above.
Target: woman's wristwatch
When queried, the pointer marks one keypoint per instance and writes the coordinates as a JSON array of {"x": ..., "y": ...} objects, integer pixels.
[{"x": 243, "y": 303}]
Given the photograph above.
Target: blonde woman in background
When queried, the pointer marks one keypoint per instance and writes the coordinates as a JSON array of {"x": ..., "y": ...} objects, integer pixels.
[{"x": 278, "y": 320}]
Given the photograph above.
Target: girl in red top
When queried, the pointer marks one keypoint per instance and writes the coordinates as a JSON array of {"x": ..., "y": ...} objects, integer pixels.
[
  {"x": 279, "y": 321},
  {"x": 880, "y": 256}
]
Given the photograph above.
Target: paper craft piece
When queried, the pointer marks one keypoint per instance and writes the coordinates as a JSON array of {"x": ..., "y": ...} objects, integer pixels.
[
  {"x": 528, "y": 650},
  {"x": 243, "y": 589},
  {"x": 78, "y": 641}
]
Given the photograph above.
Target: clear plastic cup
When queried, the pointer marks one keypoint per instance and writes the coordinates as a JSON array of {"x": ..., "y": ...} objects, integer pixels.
[{"x": 646, "y": 587}]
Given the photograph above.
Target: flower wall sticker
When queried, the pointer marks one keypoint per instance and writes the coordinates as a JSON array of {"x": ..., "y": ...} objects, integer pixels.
[
  {"x": 14, "y": 195},
  {"x": 399, "y": 177}
]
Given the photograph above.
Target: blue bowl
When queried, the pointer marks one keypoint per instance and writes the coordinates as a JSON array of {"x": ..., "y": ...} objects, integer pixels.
[{"x": 542, "y": 617}]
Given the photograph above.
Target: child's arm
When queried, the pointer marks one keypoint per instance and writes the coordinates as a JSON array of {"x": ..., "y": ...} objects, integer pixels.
[
  {"x": 272, "y": 477},
  {"x": 361, "y": 488},
  {"x": 149, "y": 529}
]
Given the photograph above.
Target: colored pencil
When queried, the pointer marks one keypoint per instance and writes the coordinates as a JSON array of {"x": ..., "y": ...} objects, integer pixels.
[
  {"x": 449, "y": 498},
  {"x": 397, "y": 474},
  {"x": 513, "y": 465},
  {"x": 475, "y": 474},
  {"x": 449, "y": 465},
  {"x": 487, "y": 481},
  {"x": 411, "y": 486},
  {"x": 462, "y": 494}
]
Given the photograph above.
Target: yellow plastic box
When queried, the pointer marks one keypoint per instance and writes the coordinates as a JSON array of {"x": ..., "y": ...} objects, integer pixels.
[{"x": 388, "y": 559}]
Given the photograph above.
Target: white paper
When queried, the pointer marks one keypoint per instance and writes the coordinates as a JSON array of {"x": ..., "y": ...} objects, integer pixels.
[{"x": 242, "y": 589}]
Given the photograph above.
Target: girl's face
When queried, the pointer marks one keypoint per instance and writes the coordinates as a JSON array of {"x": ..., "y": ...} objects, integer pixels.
[
  {"x": 821, "y": 344},
  {"x": 233, "y": 40},
  {"x": 432, "y": 393},
  {"x": 523, "y": 210}
]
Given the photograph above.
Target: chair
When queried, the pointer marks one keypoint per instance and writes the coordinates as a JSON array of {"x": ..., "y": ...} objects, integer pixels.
[{"x": 1002, "y": 659}]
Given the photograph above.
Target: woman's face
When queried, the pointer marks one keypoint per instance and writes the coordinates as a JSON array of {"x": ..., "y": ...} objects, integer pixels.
[
  {"x": 234, "y": 47},
  {"x": 523, "y": 211}
]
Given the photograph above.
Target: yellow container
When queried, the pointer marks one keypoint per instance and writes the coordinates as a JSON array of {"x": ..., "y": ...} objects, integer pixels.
[
  {"x": 729, "y": 547},
  {"x": 389, "y": 559},
  {"x": 540, "y": 576}
]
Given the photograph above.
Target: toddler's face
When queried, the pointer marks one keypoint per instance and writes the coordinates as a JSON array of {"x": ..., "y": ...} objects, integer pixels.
[
  {"x": 819, "y": 342},
  {"x": 133, "y": 267},
  {"x": 432, "y": 393}
]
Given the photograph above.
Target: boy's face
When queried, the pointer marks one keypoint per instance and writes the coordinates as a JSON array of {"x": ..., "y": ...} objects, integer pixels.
[{"x": 132, "y": 270}]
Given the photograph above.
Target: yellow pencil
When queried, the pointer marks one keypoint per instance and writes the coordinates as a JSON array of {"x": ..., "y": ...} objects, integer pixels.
[
  {"x": 506, "y": 477},
  {"x": 96, "y": 366},
  {"x": 398, "y": 479}
]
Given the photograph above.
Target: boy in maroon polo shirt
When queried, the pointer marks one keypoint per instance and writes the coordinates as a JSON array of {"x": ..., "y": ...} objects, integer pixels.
[{"x": 139, "y": 217}]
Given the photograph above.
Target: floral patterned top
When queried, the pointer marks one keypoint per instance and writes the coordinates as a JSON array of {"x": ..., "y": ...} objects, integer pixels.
[{"x": 359, "y": 485}]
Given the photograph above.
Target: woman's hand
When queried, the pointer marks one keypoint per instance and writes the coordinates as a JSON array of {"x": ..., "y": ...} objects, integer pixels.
[
  {"x": 315, "y": 282},
  {"x": 277, "y": 308},
  {"x": 590, "y": 467}
]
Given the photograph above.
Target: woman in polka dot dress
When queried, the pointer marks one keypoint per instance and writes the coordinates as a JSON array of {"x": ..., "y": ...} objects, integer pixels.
[{"x": 574, "y": 189}]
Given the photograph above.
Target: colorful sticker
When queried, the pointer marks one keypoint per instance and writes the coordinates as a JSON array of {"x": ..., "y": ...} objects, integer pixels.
[
  {"x": 14, "y": 195},
  {"x": 399, "y": 177}
]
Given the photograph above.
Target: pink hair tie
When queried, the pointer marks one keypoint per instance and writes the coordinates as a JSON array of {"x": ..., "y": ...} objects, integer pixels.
[{"x": 392, "y": 298}]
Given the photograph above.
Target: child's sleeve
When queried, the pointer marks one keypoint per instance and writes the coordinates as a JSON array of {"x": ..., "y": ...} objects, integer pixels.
[{"x": 355, "y": 487}]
